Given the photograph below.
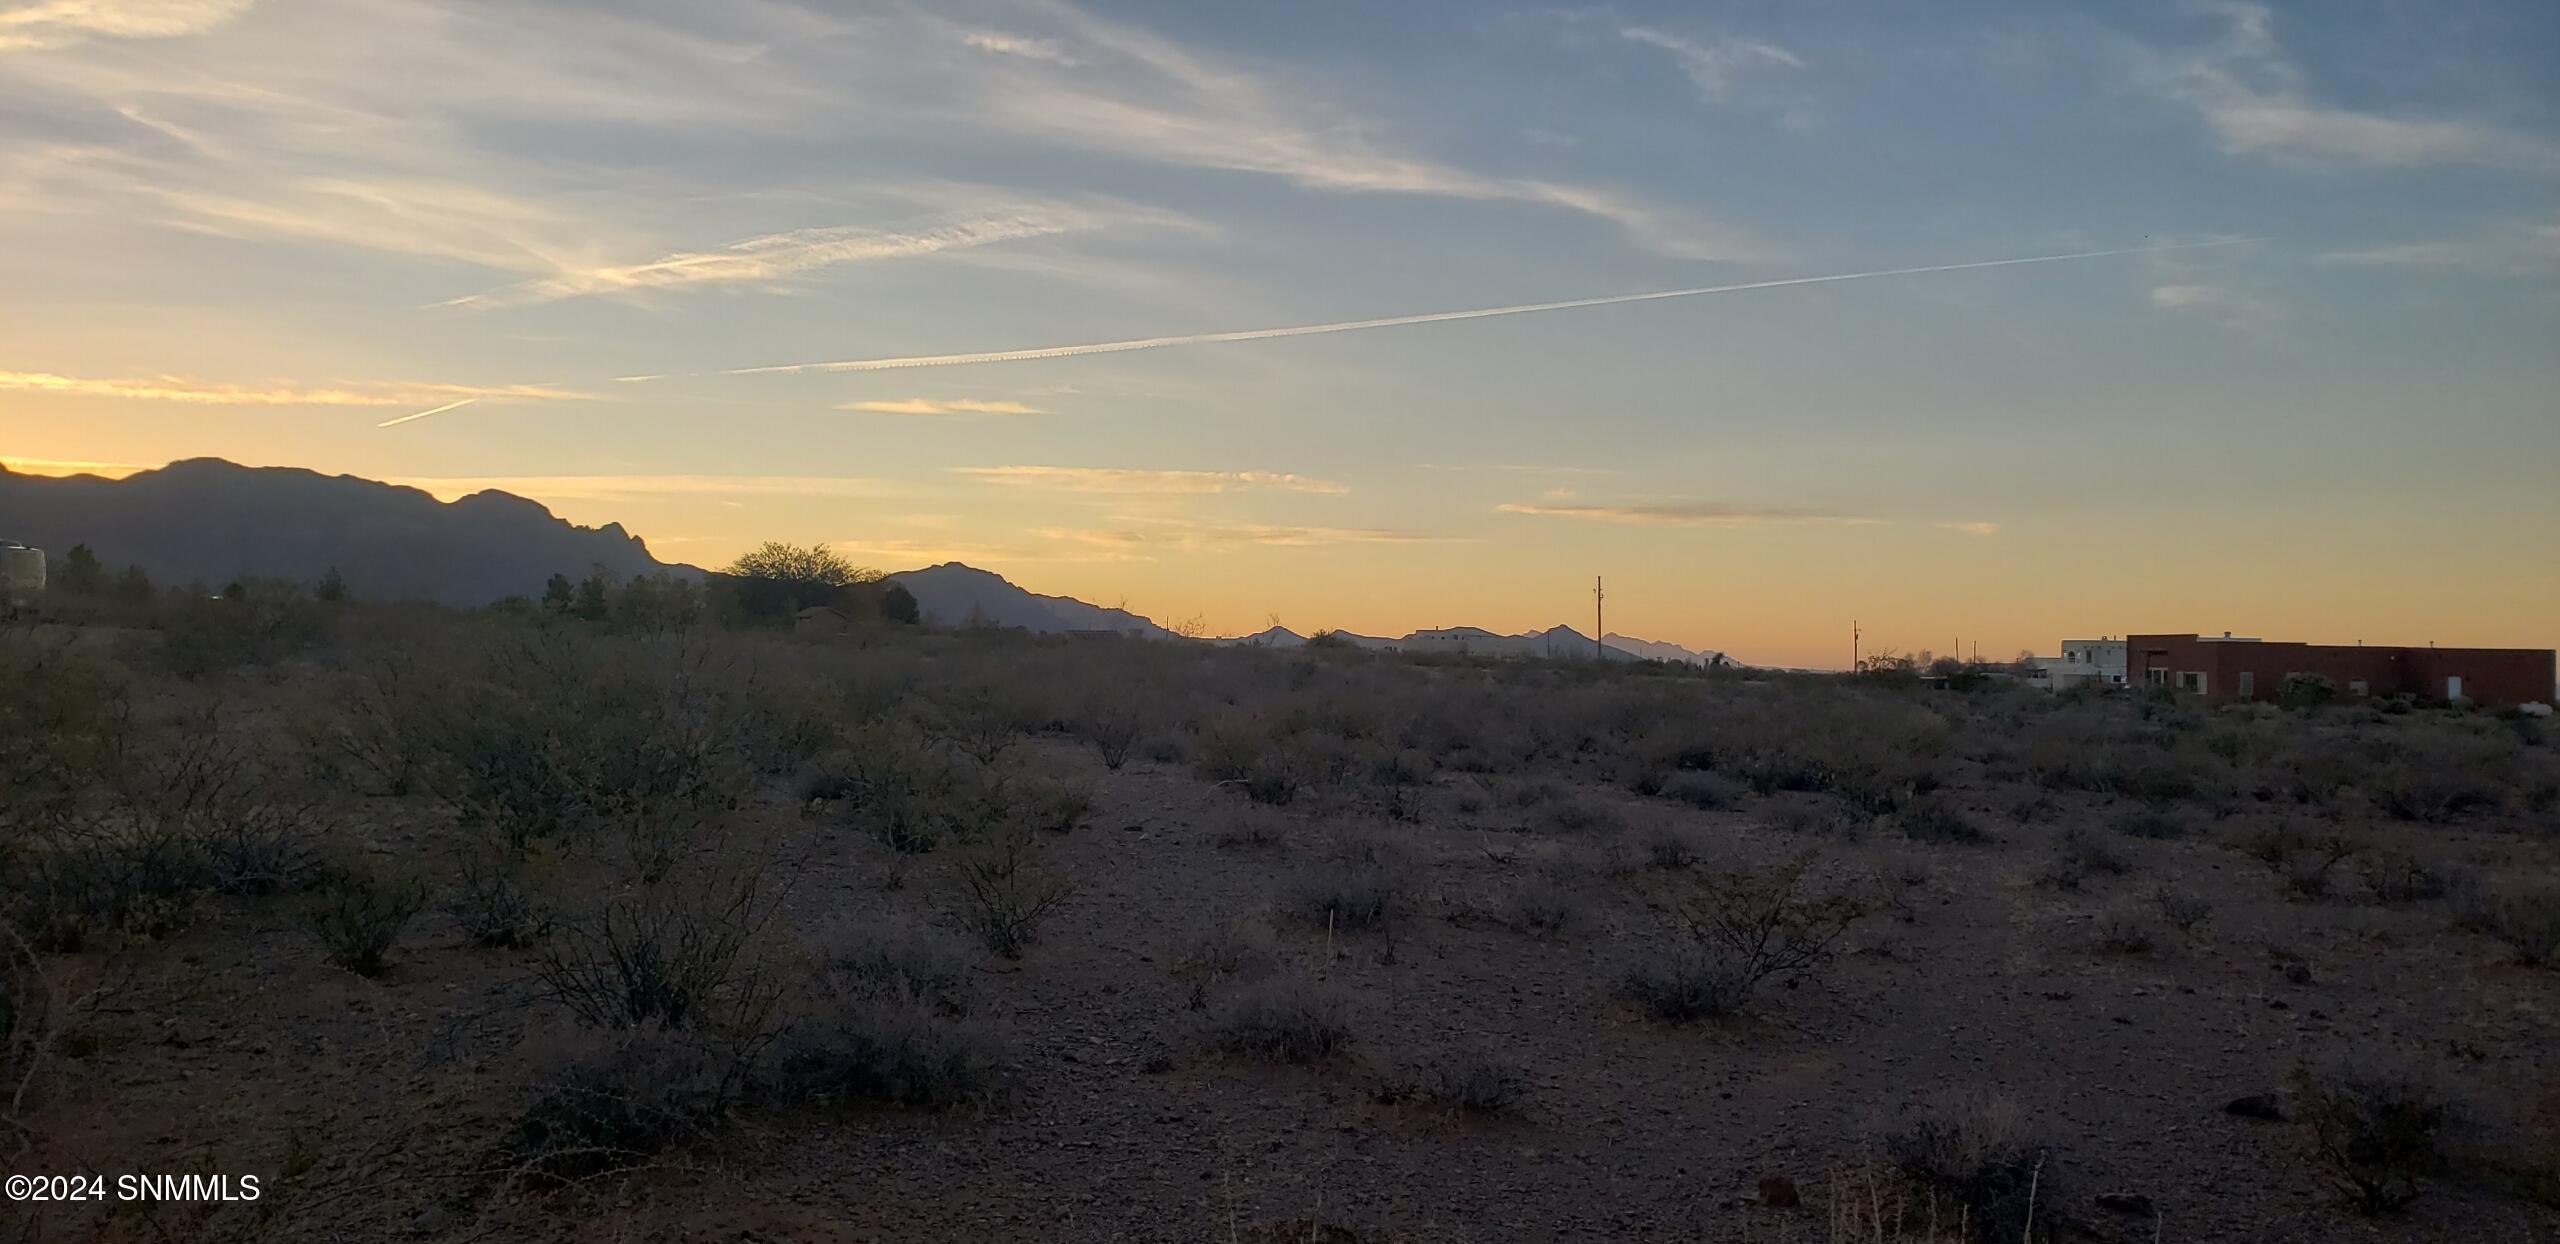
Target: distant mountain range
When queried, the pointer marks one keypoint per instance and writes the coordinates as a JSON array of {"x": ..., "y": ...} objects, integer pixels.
[{"x": 208, "y": 521}]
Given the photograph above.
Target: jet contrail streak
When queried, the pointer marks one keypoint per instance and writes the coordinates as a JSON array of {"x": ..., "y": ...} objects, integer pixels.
[
  {"x": 387, "y": 423},
  {"x": 1432, "y": 317}
]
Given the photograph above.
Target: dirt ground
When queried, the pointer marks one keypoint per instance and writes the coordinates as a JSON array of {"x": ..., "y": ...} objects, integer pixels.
[{"x": 373, "y": 1107}]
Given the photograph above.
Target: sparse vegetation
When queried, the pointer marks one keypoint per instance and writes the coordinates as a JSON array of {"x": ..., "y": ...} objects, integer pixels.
[
  {"x": 359, "y": 915},
  {"x": 2380, "y": 1129},
  {"x": 1280, "y": 1020},
  {"x": 1737, "y": 933}
]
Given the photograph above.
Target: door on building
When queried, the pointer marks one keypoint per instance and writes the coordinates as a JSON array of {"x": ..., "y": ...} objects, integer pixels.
[
  {"x": 2453, "y": 686},
  {"x": 2248, "y": 684}
]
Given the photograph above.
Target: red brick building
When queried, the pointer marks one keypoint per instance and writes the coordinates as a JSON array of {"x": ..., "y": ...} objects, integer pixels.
[{"x": 2223, "y": 669}]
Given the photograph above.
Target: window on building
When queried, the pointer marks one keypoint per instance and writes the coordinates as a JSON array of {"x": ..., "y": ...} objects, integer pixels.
[
  {"x": 2155, "y": 678},
  {"x": 2248, "y": 683},
  {"x": 2359, "y": 687},
  {"x": 2191, "y": 680}
]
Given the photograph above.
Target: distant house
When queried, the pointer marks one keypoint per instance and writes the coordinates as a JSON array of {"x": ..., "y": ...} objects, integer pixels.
[
  {"x": 819, "y": 622},
  {"x": 2227, "y": 668},
  {"x": 2083, "y": 661}
]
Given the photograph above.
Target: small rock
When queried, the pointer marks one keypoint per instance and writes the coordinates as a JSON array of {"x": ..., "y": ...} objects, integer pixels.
[
  {"x": 433, "y": 1220},
  {"x": 1778, "y": 1192},
  {"x": 2125, "y": 1203},
  {"x": 2255, "y": 1106},
  {"x": 2298, "y": 973}
]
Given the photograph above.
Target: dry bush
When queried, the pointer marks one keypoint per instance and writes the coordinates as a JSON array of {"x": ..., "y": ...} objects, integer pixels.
[
  {"x": 687, "y": 954},
  {"x": 1223, "y": 949},
  {"x": 1670, "y": 846},
  {"x": 2398, "y": 877},
  {"x": 1252, "y": 827},
  {"x": 1360, "y": 892},
  {"x": 1576, "y": 815},
  {"x": 899, "y": 963},
  {"x": 1977, "y": 1153},
  {"x": 613, "y": 1100},
  {"x": 2125, "y": 932},
  {"x": 1113, "y": 720},
  {"x": 1704, "y": 791},
  {"x": 2379, "y": 1127},
  {"x": 2083, "y": 855},
  {"x": 1003, "y": 891},
  {"x": 981, "y": 718},
  {"x": 1738, "y": 933},
  {"x": 2153, "y": 822},
  {"x": 1939, "y": 819},
  {"x": 254, "y": 622},
  {"x": 2524, "y": 915},
  {"x": 912, "y": 795},
  {"x": 358, "y": 914},
  {"x": 887, "y": 1050},
  {"x": 1054, "y": 805},
  {"x": 2185, "y": 910},
  {"x": 1541, "y": 905},
  {"x": 1474, "y": 1081},
  {"x": 1280, "y": 1020},
  {"x": 496, "y": 899}
]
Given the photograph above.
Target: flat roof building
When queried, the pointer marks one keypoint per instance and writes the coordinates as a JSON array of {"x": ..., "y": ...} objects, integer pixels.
[{"x": 2226, "y": 668}]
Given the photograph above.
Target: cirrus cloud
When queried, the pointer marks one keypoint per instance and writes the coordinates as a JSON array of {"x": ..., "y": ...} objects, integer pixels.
[
  {"x": 941, "y": 406},
  {"x": 1131, "y": 480}
]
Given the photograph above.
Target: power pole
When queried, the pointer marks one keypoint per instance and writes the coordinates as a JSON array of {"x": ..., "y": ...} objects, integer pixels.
[
  {"x": 1599, "y": 650},
  {"x": 1853, "y": 645}
]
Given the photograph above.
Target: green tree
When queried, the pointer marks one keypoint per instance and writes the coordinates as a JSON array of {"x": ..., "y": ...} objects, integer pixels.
[
  {"x": 595, "y": 596},
  {"x": 333, "y": 586},
  {"x": 558, "y": 594},
  {"x": 80, "y": 573},
  {"x": 135, "y": 588},
  {"x": 778, "y": 580}
]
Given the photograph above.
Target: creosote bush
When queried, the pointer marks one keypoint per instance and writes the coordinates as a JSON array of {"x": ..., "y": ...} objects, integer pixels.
[
  {"x": 1280, "y": 1020},
  {"x": 613, "y": 1100},
  {"x": 2380, "y": 1129},
  {"x": 1003, "y": 891},
  {"x": 1735, "y": 934},
  {"x": 1976, "y": 1154},
  {"x": 1475, "y": 1081},
  {"x": 358, "y": 915}
]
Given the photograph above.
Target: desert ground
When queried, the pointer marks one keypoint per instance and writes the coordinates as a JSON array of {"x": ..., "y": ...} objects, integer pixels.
[{"x": 508, "y": 926}]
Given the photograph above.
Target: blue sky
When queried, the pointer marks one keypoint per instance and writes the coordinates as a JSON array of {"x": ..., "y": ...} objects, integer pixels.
[{"x": 260, "y": 228}]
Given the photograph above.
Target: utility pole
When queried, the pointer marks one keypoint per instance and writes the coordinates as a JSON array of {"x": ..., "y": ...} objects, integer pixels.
[
  {"x": 1853, "y": 645},
  {"x": 1599, "y": 650}
]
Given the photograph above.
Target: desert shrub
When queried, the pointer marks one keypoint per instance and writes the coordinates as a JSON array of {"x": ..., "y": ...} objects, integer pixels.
[
  {"x": 2524, "y": 916},
  {"x": 1223, "y": 949},
  {"x": 495, "y": 902},
  {"x": 1939, "y": 819},
  {"x": 1474, "y": 1081},
  {"x": 675, "y": 956},
  {"x": 614, "y": 1100},
  {"x": 1252, "y": 827},
  {"x": 1053, "y": 805},
  {"x": 1351, "y": 894},
  {"x": 982, "y": 719},
  {"x": 1580, "y": 814},
  {"x": 2082, "y": 855},
  {"x": 2379, "y": 1129},
  {"x": 2397, "y": 877},
  {"x": 1736, "y": 933},
  {"x": 2152, "y": 822},
  {"x": 1003, "y": 891},
  {"x": 913, "y": 796},
  {"x": 1809, "y": 817},
  {"x": 1670, "y": 846},
  {"x": 1283, "y": 1021},
  {"x": 1977, "y": 1153},
  {"x": 63, "y": 723},
  {"x": 358, "y": 915},
  {"x": 1226, "y": 744},
  {"x": 1534, "y": 792},
  {"x": 2185, "y": 910},
  {"x": 899, "y": 963},
  {"x": 1113, "y": 721},
  {"x": 2439, "y": 776},
  {"x": 1704, "y": 791},
  {"x": 887, "y": 1050},
  {"x": 2306, "y": 690},
  {"x": 2125, "y": 933},
  {"x": 1540, "y": 905},
  {"x": 255, "y": 622}
]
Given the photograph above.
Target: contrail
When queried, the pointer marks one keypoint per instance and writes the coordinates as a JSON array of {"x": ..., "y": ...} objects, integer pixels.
[
  {"x": 424, "y": 413},
  {"x": 1432, "y": 317}
]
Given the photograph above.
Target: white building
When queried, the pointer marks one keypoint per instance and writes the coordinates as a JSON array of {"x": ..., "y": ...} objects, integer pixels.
[{"x": 2098, "y": 661}]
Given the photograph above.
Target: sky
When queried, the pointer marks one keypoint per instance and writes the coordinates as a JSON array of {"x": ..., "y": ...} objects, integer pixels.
[{"x": 2319, "y": 397}]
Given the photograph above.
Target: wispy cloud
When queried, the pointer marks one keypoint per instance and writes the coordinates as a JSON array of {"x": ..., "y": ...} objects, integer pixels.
[
  {"x": 1004, "y": 44},
  {"x": 2257, "y": 101},
  {"x": 942, "y": 406},
  {"x": 1127, "y": 480},
  {"x": 643, "y": 487},
  {"x": 2228, "y": 307},
  {"x": 1973, "y": 529},
  {"x": 1140, "y": 536},
  {"x": 1162, "y": 103},
  {"x": 1679, "y": 513},
  {"x": 773, "y": 257},
  {"x": 1712, "y": 65},
  {"x": 2513, "y": 249},
  {"x": 209, "y": 393},
  {"x": 52, "y": 23}
]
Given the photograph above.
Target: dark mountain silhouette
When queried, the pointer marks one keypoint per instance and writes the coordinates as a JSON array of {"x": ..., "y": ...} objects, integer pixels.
[
  {"x": 954, "y": 594},
  {"x": 208, "y": 521}
]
